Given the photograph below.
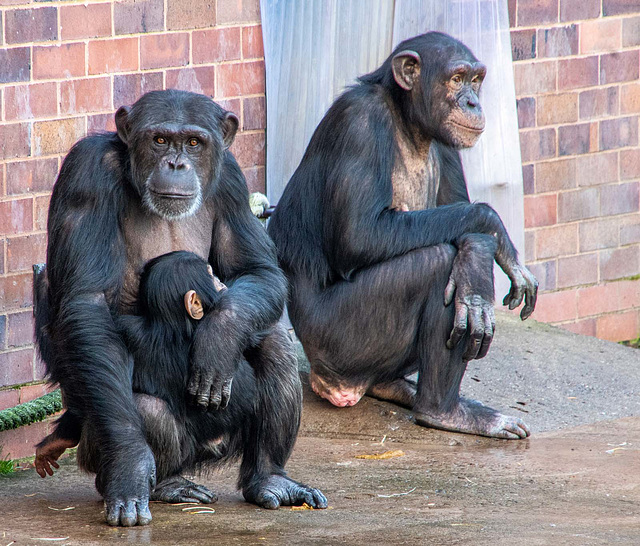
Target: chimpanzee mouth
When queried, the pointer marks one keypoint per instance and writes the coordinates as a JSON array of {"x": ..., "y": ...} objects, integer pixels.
[
  {"x": 171, "y": 195},
  {"x": 476, "y": 129}
]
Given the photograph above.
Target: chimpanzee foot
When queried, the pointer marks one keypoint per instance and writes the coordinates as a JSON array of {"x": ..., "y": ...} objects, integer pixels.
[
  {"x": 401, "y": 391},
  {"x": 472, "y": 417},
  {"x": 178, "y": 489},
  {"x": 275, "y": 490}
]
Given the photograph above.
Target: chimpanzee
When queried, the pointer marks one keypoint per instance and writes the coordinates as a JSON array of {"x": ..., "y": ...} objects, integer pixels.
[
  {"x": 165, "y": 181},
  {"x": 377, "y": 236}
]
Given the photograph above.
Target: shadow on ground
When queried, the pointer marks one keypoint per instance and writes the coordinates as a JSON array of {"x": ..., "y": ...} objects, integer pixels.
[{"x": 574, "y": 482}]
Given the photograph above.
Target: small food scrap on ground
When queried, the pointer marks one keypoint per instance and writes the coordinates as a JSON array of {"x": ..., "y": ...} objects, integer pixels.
[{"x": 386, "y": 455}]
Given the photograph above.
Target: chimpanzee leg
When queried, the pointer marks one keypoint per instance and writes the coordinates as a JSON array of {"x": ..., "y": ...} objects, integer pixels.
[
  {"x": 389, "y": 320},
  {"x": 272, "y": 427}
]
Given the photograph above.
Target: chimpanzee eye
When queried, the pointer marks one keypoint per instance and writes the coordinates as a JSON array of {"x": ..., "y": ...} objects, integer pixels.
[
  {"x": 193, "y": 142},
  {"x": 476, "y": 79},
  {"x": 160, "y": 140},
  {"x": 457, "y": 79}
]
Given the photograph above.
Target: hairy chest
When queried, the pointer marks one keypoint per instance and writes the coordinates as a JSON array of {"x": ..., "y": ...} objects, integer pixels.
[
  {"x": 415, "y": 177},
  {"x": 147, "y": 236}
]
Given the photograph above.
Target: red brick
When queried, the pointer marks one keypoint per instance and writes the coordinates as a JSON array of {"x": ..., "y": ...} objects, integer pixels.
[
  {"x": 41, "y": 212},
  {"x": 16, "y": 216},
  {"x": 162, "y": 50},
  {"x": 20, "y": 443},
  {"x": 595, "y": 169},
  {"x": 200, "y": 79},
  {"x": 629, "y": 164},
  {"x": 238, "y": 79},
  {"x": 255, "y": 114},
  {"x": 630, "y": 98},
  {"x": 117, "y": 55},
  {"x": 578, "y": 205},
  {"x": 599, "y": 234},
  {"x": 215, "y": 45},
  {"x": 618, "y": 327},
  {"x": 545, "y": 272},
  {"x": 249, "y": 150},
  {"x": 255, "y": 177},
  {"x": 57, "y": 136},
  {"x": 15, "y": 64},
  {"x": 138, "y": 16},
  {"x": 529, "y": 245},
  {"x": 599, "y": 102},
  {"x": 560, "y": 108},
  {"x": 574, "y": 139},
  {"x": 252, "y": 44},
  {"x": 16, "y": 140},
  {"x": 619, "y": 199},
  {"x": 31, "y": 392},
  {"x": 555, "y": 175},
  {"x": 537, "y": 144},
  {"x": 536, "y": 12},
  {"x": 630, "y": 233},
  {"x": 594, "y": 137},
  {"x": 585, "y": 327},
  {"x": 98, "y": 123},
  {"x": 16, "y": 367},
  {"x": 558, "y": 41},
  {"x": 619, "y": 7},
  {"x": 523, "y": 44},
  {"x": 526, "y": 112},
  {"x": 570, "y": 10},
  {"x": 3, "y": 335},
  {"x": 556, "y": 241},
  {"x": 540, "y": 210},
  {"x": 631, "y": 32},
  {"x": 128, "y": 88},
  {"x": 618, "y": 133},
  {"x": 192, "y": 14},
  {"x": 20, "y": 329},
  {"x": 2, "y": 265},
  {"x": 31, "y": 25},
  {"x": 85, "y": 21},
  {"x": 628, "y": 293},
  {"x": 511, "y": 8},
  {"x": 599, "y": 299},
  {"x": 238, "y": 11},
  {"x": 528, "y": 179},
  {"x": 59, "y": 62},
  {"x": 88, "y": 95},
  {"x": 619, "y": 263},
  {"x": 600, "y": 35},
  {"x": 23, "y": 252},
  {"x": 577, "y": 270},
  {"x": 576, "y": 73},
  {"x": 8, "y": 399},
  {"x": 30, "y": 101},
  {"x": 16, "y": 292},
  {"x": 535, "y": 78},
  {"x": 231, "y": 105},
  {"x": 619, "y": 67},
  {"x": 556, "y": 306}
]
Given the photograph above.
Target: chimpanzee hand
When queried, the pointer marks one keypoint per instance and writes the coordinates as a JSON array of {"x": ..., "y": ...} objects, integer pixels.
[
  {"x": 125, "y": 482},
  {"x": 212, "y": 366},
  {"x": 471, "y": 281},
  {"x": 523, "y": 285}
]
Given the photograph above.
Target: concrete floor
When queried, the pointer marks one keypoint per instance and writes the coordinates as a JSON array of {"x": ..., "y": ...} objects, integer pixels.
[{"x": 575, "y": 482}]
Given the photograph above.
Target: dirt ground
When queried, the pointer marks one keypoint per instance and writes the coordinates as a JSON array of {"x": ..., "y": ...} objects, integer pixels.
[{"x": 575, "y": 482}]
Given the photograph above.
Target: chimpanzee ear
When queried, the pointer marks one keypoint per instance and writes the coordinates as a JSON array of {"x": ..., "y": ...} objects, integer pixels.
[
  {"x": 193, "y": 305},
  {"x": 230, "y": 125},
  {"x": 122, "y": 123},
  {"x": 406, "y": 68}
]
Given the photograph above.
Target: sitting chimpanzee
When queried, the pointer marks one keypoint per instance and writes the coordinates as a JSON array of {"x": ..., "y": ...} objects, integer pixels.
[
  {"x": 165, "y": 182},
  {"x": 376, "y": 234}
]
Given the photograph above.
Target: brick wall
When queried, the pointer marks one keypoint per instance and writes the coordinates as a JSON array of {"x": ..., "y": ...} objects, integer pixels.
[
  {"x": 576, "y": 67},
  {"x": 65, "y": 67}
]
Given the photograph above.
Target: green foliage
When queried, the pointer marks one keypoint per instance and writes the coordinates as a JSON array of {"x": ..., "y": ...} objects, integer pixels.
[
  {"x": 30, "y": 412},
  {"x": 6, "y": 467}
]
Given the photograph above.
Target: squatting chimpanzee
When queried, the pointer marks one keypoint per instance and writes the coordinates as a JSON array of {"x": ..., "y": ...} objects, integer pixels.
[
  {"x": 165, "y": 182},
  {"x": 377, "y": 236}
]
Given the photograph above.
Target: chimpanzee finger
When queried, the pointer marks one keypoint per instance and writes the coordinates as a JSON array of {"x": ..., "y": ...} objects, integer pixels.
[
  {"x": 530, "y": 302},
  {"x": 476, "y": 333},
  {"x": 226, "y": 393},
  {"x": 449, "y": 291},
  {"x": 488, "y": 335},
  {"x": 144, "y": 514},
  {"x": 112, "y": 512},
  {"x": 128, "y": 514},
  {"x": 459, "y": 326},
  {"x": 320, "y": 501},
  {"x": 215, "y": 396},
  {"x": 194, "y": 382}
]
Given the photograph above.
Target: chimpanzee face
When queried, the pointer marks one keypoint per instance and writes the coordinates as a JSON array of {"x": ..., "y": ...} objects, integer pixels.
[{"x": 176, "y": 148}]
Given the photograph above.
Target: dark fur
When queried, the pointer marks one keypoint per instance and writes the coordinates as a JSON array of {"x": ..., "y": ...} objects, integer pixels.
[
  {"x": 79, "y": 298},
  {"x": 366, "y": 280}
]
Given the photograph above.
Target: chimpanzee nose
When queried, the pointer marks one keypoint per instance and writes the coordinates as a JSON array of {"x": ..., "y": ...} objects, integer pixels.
[{"x": 177, "y": 165}]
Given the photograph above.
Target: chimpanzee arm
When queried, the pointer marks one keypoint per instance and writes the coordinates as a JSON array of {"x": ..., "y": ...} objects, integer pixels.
[
  {"x": 85, "y": 261},
  {"x": 244, "y": 258}
]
